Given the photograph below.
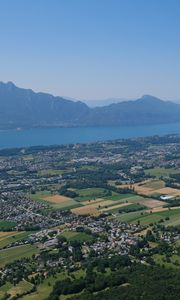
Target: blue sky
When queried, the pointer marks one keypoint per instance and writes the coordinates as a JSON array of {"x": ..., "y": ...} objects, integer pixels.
[{"x": 92, "y": 49}]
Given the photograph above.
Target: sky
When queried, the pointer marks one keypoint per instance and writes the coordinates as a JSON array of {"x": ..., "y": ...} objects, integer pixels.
[{"x": 92, "y": 49}]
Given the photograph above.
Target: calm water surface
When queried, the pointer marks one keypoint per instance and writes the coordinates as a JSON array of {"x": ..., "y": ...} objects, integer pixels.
[{"x": 52, "y": 136}]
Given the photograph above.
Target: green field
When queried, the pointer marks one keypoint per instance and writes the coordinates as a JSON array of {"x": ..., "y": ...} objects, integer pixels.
[
  {"x": 90, "y": 194},
  {"x": 20, "y": 288},
  {"x": 131, "y": 217},
  {"x": 174, "y": 262},
  {"x": 128, "y": 208},
  {"x": 88, "y": 167},
  {"x": 16, "y": 236},
  {"x": 4, "y": 289},
  {"x": 50, "y": 172},
  {"x": 45, "y": 288},
  {"x": 11, "y": 254},
  {"x": 148, "y": 218},
  {"x": 116, "y": 196},
  {"x": 64, "y": 206},
  {"x": 41, "y": 196},
  {"x": 161, "y": 172},
  {"x": 79, "y": 236},
  {"x": 93, "y": 193},
  {"x": 5, "y": 225}
]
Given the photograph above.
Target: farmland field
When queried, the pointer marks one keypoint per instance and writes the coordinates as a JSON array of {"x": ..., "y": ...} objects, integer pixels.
[
  {"x": 169, "y": 217},
  {"x": 167, "y": 191},
  {"x": 154, "y": 184},
  {"x": 55, "y": 201},
  {"x": 4, "y": 225},
  {"x": 116, "y": 196},
  {"x": 4, "y": 289},
  {"x": 152, "y": 188},
  {"x": 21, "y": 288},
  {"x": 90, "y": 194},
  {"x": 114, "y": 207},
  {"x": 128, "y": 208},
  {"x": 101, "y": 203},
  {"x": 45, "y": 288},
  {"x": 7, "y": 238},
  {"x": 39, "y": 196},
  {"x": 11, "y": 254},
  {"x": 146, "y": 201},
  {"x": 174, "y": 262},
  {"x": 50, "y": 172},
  {"x": 85, "y": 210},
  {"x": 80, "y": 236},
  {"x": 160, "y": 172}
]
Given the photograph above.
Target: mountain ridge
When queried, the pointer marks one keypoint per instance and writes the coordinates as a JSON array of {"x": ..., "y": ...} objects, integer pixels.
[{"x": 24, "y": 108}]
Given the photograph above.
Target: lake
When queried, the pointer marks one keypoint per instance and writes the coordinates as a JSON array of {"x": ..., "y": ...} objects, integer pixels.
[{"x": 57, "y": 136}]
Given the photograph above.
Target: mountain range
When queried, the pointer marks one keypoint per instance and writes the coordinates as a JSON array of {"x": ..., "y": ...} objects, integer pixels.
[{"x": 26, "y": 109}]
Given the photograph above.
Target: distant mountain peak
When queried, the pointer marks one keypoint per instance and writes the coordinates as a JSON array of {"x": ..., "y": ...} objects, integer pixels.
[
  {"x": 8, "y": 85},
  {"x": 149, "y": 97},
  {"x": 21, "y": 107}
]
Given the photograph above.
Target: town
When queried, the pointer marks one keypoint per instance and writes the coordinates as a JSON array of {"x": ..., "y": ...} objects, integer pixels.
[{"x": 67, "y": 209}]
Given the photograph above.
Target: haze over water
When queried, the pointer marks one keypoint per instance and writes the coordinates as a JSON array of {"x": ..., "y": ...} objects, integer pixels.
[{"x": 59, "y": 136}]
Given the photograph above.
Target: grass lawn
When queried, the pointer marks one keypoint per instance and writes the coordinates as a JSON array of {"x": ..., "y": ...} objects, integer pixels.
[
  {"x": 4, "y": 225},
  {"x": 21, "y": 288},
  {"x": 4, "y": 289},
  {"x": 50, "y": 172},
  {"x": 79, "y": 236},
  {"x": 12, "y": 237},
  {"x": 148, "y": 218},
  {"x": 174, "y": 261},
  {"x": 116, "y": 196},
  {"x": 65, "y": 206},
  {"x": 160, "y": 172},
  {"x": 88, "y": 167},
  {"x": 11, "y": 254},
  {"x": 128, "y": 208},
  {"x": 41, "y": 196},
  {"x": 90, "y": 194},
  {"x": 130, "y": 217},
  {"x": 45, "y": 288}
]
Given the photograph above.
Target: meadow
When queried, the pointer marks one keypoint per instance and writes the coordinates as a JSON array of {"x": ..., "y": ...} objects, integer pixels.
[
  {"x": 11, "y": 254},
  {"x": 5, "y": 225},
  {"x": 167, "y": 218},
  {"x": 45, "y": 288},
  {"x": 50, "y": 172},
  {"x": 9, "y": 237},
  {"x": 161, "y": 172},
  {"x": 19, "y": 289},
  {"x": 54, "y": 201},
  {"x": 173, "y": 262},
  {"x": 78, "y": 236},
  {"x": 90, "y": 194}
]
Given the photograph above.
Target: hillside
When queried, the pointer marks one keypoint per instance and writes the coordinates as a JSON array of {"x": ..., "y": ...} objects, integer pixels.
[
  {"x": 25, "y": 108},
  {"x": 144, "y": 111}
]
